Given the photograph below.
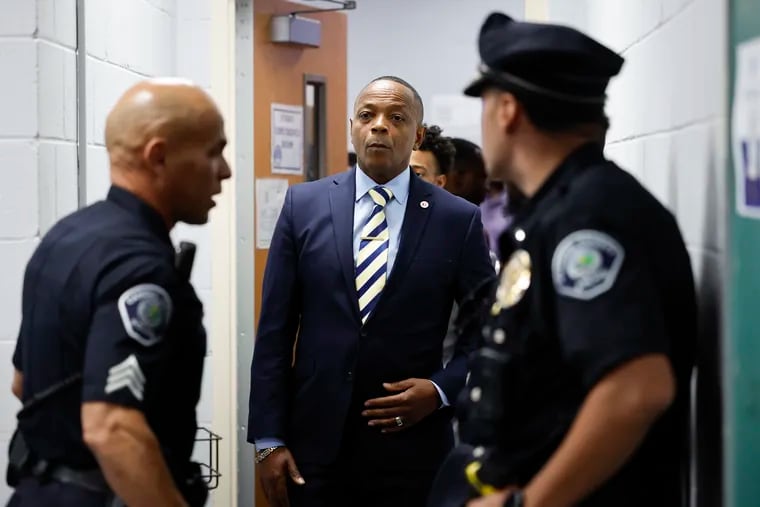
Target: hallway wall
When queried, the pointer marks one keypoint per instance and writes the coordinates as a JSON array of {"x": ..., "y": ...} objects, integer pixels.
[
  {"x": 38, "y": 157},
  {"x": 125, "y": 41},
  {"x": 430, "y": 43}
]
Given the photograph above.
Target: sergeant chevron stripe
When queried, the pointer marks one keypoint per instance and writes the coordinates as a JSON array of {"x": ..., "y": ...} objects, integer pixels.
[{"x": 126, "y": 374}]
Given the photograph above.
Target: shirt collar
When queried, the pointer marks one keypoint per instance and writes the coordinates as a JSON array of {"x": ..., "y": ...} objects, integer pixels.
[
  {"x": 139, "y": 208},
  {"x": 398, "y": 185},
  {"x": 582, "y": 158},
  {"x": 495, "y": 201}
]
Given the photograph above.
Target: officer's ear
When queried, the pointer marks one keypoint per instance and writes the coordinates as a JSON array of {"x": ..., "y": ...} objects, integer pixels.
[
  {"x": 154, "y": 153},
  {"x": 509, "y": 112}
]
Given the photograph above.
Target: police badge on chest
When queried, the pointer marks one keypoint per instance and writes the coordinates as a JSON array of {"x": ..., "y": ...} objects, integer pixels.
[{"x": 514, "y": 281}]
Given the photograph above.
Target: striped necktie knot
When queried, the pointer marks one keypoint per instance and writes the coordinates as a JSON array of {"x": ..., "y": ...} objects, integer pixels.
[{"x": 381, "y": 195}]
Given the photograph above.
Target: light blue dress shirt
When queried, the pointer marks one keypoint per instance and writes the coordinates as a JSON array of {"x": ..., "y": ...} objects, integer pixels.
[{"x": 394, "y": 216}]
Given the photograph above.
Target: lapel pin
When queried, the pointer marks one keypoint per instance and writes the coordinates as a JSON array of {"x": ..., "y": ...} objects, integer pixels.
[{"x": 424, "y": 204}]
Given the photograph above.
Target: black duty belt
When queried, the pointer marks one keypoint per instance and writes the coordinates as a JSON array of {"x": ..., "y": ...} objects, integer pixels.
[{"x": 92, "y": 480}]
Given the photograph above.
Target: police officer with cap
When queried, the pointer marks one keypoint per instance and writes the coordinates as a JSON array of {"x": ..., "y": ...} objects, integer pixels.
[
  {"x": 109, "y": 357},
  {"x": 579, "y": 395}
]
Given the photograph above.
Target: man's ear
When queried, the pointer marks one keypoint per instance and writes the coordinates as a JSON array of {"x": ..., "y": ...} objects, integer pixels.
[
  {"x": 154, "y": 154},
  {"x": 440, "y": 180},
  {"x": 509, "y": 112},
  {"x": 419, "y": 137}
]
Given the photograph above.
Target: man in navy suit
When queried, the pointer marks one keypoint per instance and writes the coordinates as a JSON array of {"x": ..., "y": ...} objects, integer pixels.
[{"x": 349, "y": 398}]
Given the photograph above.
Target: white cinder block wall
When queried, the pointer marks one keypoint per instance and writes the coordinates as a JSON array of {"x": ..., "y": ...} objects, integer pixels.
[
  {"x": 669, "y": 117},
  {"x": 125, "y": 40},
  {"x": 37, "y": 156}
]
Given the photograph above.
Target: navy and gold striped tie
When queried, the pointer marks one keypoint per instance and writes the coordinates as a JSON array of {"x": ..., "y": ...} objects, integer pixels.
[{"x": 372, "y": 258}]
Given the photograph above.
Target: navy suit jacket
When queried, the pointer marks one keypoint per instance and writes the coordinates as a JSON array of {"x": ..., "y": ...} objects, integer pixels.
[{"x": 314, "y": 362}]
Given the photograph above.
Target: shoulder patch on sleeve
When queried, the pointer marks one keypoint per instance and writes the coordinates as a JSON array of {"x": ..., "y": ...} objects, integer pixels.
[
  {"x": 586, "y": 264},
  {"x": 145, "y": 310}
]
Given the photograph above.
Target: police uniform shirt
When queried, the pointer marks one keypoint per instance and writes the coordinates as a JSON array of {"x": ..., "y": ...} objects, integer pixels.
[
  {"x": 610, "y": 281},
  {"x": 102, "y": 296}
]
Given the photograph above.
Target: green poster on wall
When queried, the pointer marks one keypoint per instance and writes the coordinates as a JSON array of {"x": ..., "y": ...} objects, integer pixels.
[
  {"x": 742, "y": 346},
  {"x": 745, "y": 127}
]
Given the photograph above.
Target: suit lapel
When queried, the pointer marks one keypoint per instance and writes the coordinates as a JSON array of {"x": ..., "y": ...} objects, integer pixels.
[
  {"x": 342, "y": 197},
  {"x": 419, "y": 205}
]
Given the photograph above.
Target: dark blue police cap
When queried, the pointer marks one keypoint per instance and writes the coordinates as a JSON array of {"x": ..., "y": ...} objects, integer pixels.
[{"x": 551, "y": 61}]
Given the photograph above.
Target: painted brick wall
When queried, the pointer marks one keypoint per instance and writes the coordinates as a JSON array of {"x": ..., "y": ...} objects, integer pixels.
[
  {"x": 37, "y": 155},
  {"x": 126, "y": 40}
]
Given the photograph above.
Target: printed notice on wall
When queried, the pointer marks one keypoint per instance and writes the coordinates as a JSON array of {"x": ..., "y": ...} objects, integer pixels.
[
  {"x": 270, "y": 194},
  {"x": 457, "y": 115},
  {"x": 287, "y": 139},
  {"x": 745, "y": 129}
]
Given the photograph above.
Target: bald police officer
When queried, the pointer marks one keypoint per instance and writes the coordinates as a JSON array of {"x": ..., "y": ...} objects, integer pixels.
[
  {"x": 109, "y": 357},
  {"x": 580, "y": 395}
]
